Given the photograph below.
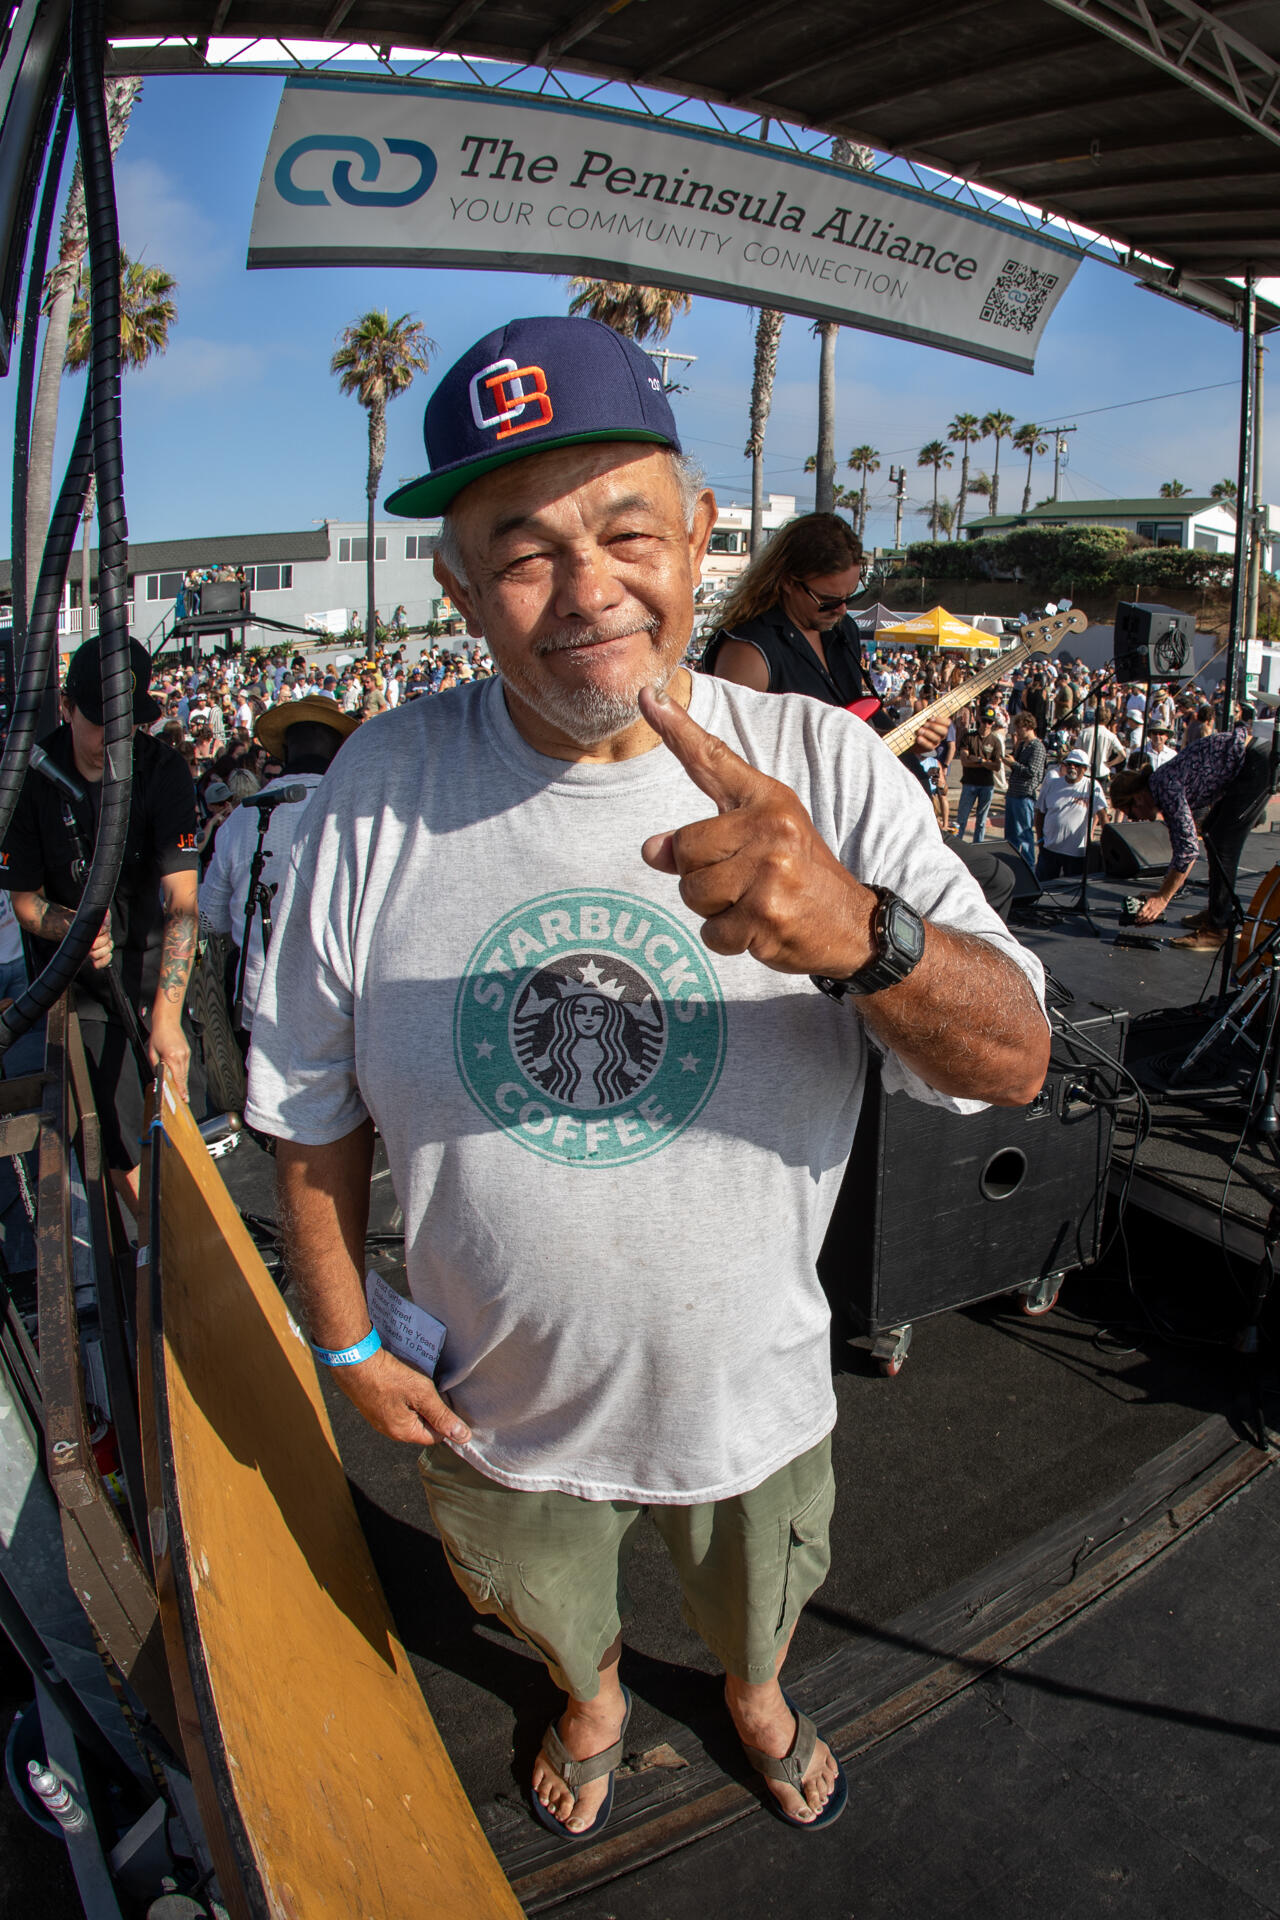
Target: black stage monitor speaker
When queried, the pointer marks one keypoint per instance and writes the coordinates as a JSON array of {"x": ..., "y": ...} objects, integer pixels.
[
  {"x": 1134, "y": 848},
  {"x": 1026, "y": 888},
  {"x": 220, "y": 596},
  {"x": 938, "y": 1209},
  {"x": 1153, "y": 642}
]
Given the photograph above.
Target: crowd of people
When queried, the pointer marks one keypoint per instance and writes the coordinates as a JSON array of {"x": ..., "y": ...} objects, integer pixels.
[
  {"x": 1026, "y": 748},
  {"x": 209, "y": 710}
]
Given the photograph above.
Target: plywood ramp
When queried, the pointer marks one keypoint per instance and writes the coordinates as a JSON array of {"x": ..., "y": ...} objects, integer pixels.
[{"x": 324, "y": 1786}]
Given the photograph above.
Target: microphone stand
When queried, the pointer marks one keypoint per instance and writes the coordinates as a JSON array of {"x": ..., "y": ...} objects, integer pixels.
[{"x": 1091, "y": 693}]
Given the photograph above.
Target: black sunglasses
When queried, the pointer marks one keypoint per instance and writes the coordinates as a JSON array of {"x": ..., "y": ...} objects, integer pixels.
[{"x": 824, "y": 605}]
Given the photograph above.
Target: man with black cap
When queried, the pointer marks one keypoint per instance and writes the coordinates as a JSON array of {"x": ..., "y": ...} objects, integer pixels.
[
  {"x": 599, "y": 946},
  {"x": 305, "y": 735},
  {"x": 150, "y": 933}
]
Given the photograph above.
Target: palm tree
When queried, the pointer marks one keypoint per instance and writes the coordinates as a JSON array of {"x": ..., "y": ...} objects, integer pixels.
[
  {"x": 376, "y": 362},
  {"x": 941, "y": 516},
  {"x": 845, "y": 153},
  {"x": 1027, "y": 440},
  {"x": 59, "y": 294},
  {"x": 936, "y": 455},
  {"x": 1223, "y": 490},
  {"x": 1172, "y": 490},
  {"x": 768, "y": 334},
  {"x": 965, "y": 430},
  {"x": 639, "y": 313},
  {"x": 997, "y": 427},
  {"x": 863, "y": 460},
  {"x": 147, "y": 312}
]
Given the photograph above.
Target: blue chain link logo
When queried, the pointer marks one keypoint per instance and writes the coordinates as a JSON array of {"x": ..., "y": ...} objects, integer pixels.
[{"x": 370, "y": 163}]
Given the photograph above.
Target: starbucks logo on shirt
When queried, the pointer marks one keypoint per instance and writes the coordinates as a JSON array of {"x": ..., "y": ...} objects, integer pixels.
[{"x": 589, "y": 1027}]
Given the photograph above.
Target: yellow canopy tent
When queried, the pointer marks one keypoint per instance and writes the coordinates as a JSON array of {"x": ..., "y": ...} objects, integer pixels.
[{"x": 938, "y": 628}]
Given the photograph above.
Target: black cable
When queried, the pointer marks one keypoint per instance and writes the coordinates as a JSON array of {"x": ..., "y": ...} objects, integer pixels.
[
  {"x": 102, "y": 402},
  {"x": 27, "y": 371}
]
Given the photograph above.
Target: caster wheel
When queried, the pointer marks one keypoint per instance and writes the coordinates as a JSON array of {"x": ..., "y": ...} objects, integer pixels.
[
  {"x": 892, "y": 1368},
  {"x": 1034, "y": 1309}
]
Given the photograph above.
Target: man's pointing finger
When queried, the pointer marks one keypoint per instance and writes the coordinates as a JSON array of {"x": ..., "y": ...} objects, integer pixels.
[{"x": 714, "y": 767}]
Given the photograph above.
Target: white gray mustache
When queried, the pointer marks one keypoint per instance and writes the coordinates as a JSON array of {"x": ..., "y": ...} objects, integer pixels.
[{"x": 570, "y": 638}]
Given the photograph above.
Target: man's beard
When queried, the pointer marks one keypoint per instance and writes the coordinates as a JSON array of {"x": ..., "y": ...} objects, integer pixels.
[{"x": 589, "y": 714}]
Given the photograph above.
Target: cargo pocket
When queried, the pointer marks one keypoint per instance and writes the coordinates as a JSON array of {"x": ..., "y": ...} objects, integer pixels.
[
  {"x": 486, "y": 1583},
  {"x": 808, "y": 1554}
]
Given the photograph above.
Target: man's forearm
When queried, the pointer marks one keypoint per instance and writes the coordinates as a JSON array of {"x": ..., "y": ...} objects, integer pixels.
[
  {"x": 181, "y": 932},
  {"x": 323, "y": 1195},
  {"x": 36, "y": 915},
  {"x": 966, "y": 1020}
]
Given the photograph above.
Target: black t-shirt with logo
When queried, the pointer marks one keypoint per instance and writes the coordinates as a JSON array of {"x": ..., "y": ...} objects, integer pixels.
[{"x": 40, "y": 854}]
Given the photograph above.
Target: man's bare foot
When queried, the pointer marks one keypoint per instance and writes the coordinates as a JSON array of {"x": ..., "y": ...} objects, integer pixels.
[
  {"x": 587, "y": 1727},
  {"x": 764, "y": 1720}
]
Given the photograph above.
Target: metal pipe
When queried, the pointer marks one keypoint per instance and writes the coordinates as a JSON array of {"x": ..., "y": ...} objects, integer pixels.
[{"x": 1244, "y": 495}]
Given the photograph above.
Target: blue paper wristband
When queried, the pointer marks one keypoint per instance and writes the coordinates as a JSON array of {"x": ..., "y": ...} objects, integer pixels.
[{"x": 348, "y": 1356}]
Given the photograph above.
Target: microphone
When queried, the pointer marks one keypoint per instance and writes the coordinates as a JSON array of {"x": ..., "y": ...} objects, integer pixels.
[
  {"x": 281, "y": 797},
  {"x": 55, "y": 775}
]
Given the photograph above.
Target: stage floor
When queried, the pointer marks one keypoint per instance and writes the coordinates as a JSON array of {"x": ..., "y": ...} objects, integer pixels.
[{"x": 980, "y": 1483}]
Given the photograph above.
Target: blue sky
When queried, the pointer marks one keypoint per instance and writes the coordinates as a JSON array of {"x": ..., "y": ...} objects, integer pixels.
[{"x": 241, "y": 427}]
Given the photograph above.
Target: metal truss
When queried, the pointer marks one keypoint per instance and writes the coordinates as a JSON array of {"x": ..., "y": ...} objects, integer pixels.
[
  {"x": 1194, "y": 46},
  {"x": 429, "y": 67}
]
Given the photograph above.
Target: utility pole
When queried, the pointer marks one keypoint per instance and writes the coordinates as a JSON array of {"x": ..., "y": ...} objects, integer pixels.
[
  {"x": 1258, "y": 528},
  {"x": 665, "y": 354},
  {"x": 898, "y": 479},
  {"x": 1059, "y": 453}
]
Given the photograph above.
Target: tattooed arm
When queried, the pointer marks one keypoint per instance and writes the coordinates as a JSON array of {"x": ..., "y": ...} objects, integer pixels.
[
  {"x": 168, "y": 1045},
  {"x": 36, "y": 915}
]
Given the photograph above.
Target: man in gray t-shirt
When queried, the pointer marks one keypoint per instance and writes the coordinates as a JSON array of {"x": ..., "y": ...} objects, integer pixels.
[{"x": 561, "y": 936}]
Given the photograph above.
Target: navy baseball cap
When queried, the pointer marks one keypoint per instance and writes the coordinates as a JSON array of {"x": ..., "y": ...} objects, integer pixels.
[{"x": 532, "y": 385}]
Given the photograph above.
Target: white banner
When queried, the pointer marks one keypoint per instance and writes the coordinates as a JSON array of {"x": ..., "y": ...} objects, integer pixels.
[{"x": 452, "y": 177}]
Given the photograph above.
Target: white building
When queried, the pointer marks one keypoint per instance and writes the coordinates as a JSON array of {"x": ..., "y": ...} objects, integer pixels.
[
  {"x": 313, "y": 579},
  {"x": 1201, "y": 523},
  {"x": 729, "y": 551}
]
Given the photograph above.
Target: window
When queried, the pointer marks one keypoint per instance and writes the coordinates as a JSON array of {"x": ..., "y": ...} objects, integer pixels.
[
  {"x": 1161, "y": 533},
  {"x": 163, "y": 586},
  {"x": 352, "y": 550},
  {"x": 728, "y": 540},
  {"x": 417, "y": 546},
  {"x": 1207, "y": 543},
  {"x": 269, "y": 579}
]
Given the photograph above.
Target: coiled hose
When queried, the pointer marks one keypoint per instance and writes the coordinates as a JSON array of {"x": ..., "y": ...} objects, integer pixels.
[{"x": 102, "y": 405}]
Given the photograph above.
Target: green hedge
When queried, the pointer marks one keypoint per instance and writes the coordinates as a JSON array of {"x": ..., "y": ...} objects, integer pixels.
[{"x": 1085, "y": 558}]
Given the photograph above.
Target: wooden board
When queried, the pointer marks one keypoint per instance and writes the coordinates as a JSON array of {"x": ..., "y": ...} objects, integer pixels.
[{"x": 323, "y": 1784}]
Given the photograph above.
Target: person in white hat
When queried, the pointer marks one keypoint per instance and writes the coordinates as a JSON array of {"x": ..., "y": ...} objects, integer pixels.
[{"x": 1065, "y": 817}]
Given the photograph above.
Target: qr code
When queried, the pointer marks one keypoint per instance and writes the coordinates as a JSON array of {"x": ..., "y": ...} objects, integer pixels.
[{"x": 1017, "y": 297}]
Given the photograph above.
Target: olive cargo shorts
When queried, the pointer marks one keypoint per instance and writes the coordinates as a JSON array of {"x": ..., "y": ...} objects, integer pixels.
[{"x": 550, "y": 1564}]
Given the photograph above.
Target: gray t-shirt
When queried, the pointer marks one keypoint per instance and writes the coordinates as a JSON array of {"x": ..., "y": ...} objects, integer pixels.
[{"x": 616, "y": 1152}]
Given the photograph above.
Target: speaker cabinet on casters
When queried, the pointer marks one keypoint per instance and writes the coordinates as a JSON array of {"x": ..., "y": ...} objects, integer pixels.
[{"x": 938, "y": 1210}]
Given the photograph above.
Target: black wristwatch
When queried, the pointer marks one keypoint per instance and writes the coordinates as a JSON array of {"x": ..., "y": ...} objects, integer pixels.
[{"x": 898, "y": 932}]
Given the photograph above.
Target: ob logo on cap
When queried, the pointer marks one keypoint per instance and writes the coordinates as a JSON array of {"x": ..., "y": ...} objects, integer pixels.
[{"x": 543, "y": 383}]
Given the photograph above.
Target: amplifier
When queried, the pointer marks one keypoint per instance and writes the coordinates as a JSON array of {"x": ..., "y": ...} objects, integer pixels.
[
  {"x": 938, "y": 1210},
  {"x": 220, "y": 596}
]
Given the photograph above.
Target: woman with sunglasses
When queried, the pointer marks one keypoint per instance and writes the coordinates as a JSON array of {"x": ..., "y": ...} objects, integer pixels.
[
  {"x": 786, "y": 624},
  {"x": 787, "y": 630}
]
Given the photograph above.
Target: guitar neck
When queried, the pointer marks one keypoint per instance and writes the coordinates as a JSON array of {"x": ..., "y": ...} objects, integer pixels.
[{"x": 900, "y": 738}]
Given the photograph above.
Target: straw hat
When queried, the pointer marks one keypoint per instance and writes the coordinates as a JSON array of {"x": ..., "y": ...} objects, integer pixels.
[{"x": 269, "y": 728}]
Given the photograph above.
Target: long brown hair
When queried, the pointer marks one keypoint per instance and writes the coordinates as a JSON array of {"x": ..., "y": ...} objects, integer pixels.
[{"x": 816, "y": 543}]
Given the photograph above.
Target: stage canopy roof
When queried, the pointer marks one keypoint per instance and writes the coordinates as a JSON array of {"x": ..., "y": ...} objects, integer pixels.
[{"x": 1154, "y": 122}]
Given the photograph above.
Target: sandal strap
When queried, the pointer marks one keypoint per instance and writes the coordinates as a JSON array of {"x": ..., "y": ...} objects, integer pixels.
[
  {"x": 791, "y": 1769},
  {"x": 577, "y": 1774}
]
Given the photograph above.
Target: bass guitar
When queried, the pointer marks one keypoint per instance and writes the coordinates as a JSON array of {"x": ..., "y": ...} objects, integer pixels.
[{"x": 1038, "y": 636}]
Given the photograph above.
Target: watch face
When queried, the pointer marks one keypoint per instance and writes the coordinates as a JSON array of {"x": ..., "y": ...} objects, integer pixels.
[{"x": 905, "y": 930}]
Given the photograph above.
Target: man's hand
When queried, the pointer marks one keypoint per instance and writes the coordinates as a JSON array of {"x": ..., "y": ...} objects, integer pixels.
[
  {"x": 759, "y": 873},
  {"x": 103, "y": 946},
  {"x": 1151, "y": 909},
  {"x": 931, "y": 736},
  {"x": 168, "y": 1046},
  {"x": 399, "y": 1401}
]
